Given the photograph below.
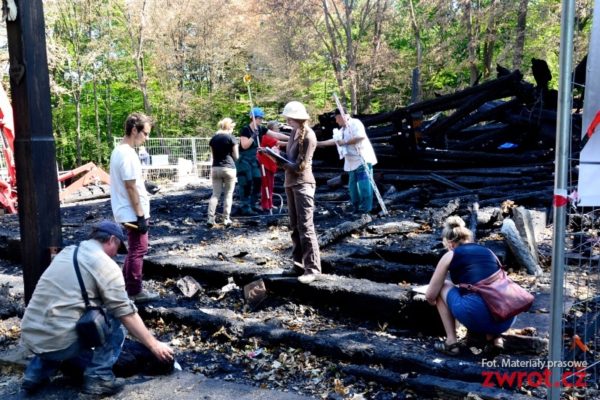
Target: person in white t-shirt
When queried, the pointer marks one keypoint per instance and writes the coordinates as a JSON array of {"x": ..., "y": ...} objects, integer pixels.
[
  {"x": 130, "y": 202},
  {"x": 353, "y": 143}
]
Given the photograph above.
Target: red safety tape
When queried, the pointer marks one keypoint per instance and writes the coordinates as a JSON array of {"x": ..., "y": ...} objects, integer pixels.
[
  {"x": 593, "y": 125},
  {"x": 560, "y": 198}
]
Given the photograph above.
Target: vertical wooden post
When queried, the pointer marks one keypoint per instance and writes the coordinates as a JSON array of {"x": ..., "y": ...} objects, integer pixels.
[{"x": 35, "y": 152}]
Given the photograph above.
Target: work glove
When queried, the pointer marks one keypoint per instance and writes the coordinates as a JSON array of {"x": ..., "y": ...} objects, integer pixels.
[
  {"x": 337, "y": 134},
  {"x": 142, "y": 225},
  {"x": 151, "y": 187}
]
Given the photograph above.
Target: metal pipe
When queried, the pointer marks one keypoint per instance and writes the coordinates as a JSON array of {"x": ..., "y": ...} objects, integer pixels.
[{"x": 563, "y": 142}]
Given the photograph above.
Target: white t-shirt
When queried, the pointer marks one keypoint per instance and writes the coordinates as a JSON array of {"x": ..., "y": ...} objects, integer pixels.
[
  {"x": 125, "y": 166},
  {"x": 355, "y": 128}
]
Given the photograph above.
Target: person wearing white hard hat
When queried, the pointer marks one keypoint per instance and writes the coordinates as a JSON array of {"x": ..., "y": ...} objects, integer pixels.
[{"x": 300, "y": 187}]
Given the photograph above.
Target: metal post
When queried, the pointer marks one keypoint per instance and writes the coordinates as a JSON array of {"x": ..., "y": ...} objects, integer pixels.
[
  {"x": 35, "y": 152},
  {"x": 563, "y": 144},
  {"x": 194, "y": 158}
]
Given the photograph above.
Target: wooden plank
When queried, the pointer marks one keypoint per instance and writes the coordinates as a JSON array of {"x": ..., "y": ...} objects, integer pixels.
[
  {"x": 343, "y": 229},
  {"x": 446, "y": 182},
  {"x": 35, "y": 153},
  {"x": 519, "y": 248}
]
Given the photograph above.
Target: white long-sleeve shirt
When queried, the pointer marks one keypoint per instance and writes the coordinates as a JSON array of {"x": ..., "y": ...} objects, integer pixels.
[{"x": 353, "y": 129}]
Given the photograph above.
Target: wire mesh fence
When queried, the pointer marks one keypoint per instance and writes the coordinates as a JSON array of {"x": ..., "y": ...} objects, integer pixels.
[
  {"x": 175, "y": 160},
  {"x": 581, "y": 313}
]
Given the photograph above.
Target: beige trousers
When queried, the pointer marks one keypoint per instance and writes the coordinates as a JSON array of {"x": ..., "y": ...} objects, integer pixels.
[{"x": 223, "y": 181}]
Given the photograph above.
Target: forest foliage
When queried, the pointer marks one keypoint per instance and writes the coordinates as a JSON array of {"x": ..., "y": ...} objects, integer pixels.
[{"x": 183, "y": 62}]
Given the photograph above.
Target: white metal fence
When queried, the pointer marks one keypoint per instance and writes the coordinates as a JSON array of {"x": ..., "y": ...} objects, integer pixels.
[{"x": 175, "y": 160}]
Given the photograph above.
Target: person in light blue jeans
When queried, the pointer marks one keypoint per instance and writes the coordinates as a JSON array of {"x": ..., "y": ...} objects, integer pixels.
[
  {"x": 357, "y": 151},
  {"x": 360, "y": 189}
]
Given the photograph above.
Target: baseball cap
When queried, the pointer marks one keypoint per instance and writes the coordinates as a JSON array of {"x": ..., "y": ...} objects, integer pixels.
[{"x": 112, "y": 228}]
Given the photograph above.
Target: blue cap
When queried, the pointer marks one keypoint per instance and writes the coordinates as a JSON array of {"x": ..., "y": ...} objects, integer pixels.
[
  {"x": 112, "y": 228},
  {"x": 258, "y": 112}
]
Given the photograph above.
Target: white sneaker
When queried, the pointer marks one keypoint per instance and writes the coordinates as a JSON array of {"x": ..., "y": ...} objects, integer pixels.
[
  {"x": 210, "y": 222},
  {"x": 307, "y": 278},
  {"x": 227, "y": 223}
]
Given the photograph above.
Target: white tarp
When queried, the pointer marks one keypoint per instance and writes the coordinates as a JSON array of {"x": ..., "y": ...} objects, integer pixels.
[{"x": 589, "y": 160}]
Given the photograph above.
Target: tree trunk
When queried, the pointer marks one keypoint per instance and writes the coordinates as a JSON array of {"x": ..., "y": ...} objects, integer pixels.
[
  {"x": 417, "y": 92},
  {"x": 472, "y": 42},
  {"x": 490, "y": 40},
  {"x": 77, "y": 99},
  {"x": 351, "y": 56},
  {"x": 97, "y": 118},
  {"x": 333, "y": 49},
  {"x": 137, "y": 44},
  {"x": 521, "y": 28},
  {"x": 368, "y": 75}
]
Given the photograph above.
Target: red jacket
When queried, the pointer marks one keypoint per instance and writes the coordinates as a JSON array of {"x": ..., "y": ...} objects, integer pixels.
[{"x": 267, "y": 141}]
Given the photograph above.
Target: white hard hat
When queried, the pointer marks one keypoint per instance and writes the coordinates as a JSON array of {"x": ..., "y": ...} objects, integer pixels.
[{"x": 295, "y": 110}]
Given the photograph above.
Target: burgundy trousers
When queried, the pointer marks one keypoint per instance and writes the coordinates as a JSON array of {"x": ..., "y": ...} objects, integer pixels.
[{"x": 137, "y": 247}]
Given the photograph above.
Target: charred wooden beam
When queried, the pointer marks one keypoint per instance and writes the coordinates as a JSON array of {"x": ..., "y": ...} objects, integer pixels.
[
  {"x": 446, "y": 102},
  {"x": 343, "y": 229},
  {"x": 446, "y": 182},
  {"x": 391, "y": 198},
  {"x": 432, "y": 386},
  {"x": 444, "y": 125},
  {"x": 535, "y": 196},
  {"x": 394, "y": 227},
  {"x": 510, "y": 189},
  {"x": 377, "y": 270},
  {"x": 482, "y": 158},
  {"x": 439, "y": 216},
  {"x": 474, "y": 209},
  {"x": 488, "y": 111},
  {"x": 483, "y": 141},
  {"x": 401, "y": 354},
  {"x": 518, "y": 248}
]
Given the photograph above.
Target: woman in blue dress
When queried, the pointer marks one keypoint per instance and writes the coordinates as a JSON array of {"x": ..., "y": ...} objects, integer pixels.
[{"x": 466, "y": 262}]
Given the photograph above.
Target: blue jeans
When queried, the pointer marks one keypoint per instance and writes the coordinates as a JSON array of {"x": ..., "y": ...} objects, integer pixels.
[
  {"x": 361, "y": 192},
  {"x": 97, "y": 362}
]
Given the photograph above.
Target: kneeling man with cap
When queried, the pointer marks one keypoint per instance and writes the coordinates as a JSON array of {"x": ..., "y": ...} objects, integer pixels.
[{"x": 48, "y": 325}]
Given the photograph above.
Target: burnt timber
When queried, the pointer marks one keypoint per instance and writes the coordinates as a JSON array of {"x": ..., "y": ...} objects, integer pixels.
[{"x": 437, "y": 158}]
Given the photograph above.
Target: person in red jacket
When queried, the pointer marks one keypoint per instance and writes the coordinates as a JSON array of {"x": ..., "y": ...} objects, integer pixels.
[{"x": 268, "y": 167}]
